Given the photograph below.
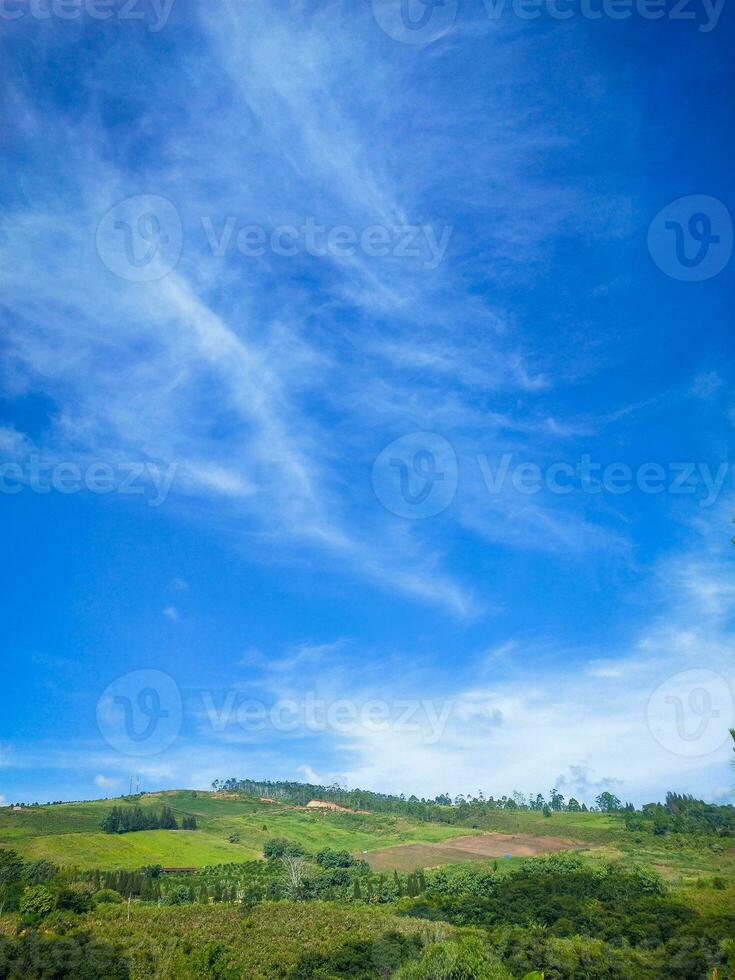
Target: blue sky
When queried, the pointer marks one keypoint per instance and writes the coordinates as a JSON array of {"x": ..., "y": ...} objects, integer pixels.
[{"x": 250, "y": 466}]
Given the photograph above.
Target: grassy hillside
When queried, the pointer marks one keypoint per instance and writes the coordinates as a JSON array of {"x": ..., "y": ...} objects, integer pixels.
[
  {"x": 234, "y": 829},
  {"x": 69, "y": 834},
  {"x": 615, "y": 901}
]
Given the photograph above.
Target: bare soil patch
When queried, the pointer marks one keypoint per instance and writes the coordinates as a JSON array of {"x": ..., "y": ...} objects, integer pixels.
[
  {"x": 517, "y": 845},
  {"x": 409, "y": 857},
  {"x": 331, "y": 807},
  {"x": 326, "y": 805}
]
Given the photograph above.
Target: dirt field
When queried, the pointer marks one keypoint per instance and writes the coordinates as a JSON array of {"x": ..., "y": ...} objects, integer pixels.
[{"x": 408, "y": 857}]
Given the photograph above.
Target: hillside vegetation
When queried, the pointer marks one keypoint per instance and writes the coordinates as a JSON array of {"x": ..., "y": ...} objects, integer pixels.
[
  {"x": 229, "y": 828},
  {"x": 272, "y": 889}
]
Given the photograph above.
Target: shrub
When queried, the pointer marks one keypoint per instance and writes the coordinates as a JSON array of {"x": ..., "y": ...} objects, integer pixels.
[
  {"x": 278, "y": 847},
  {"x": 107, "y": 896},
  {"x": 10, "y": 897},
  {"x": 60, "y": 922},
  {"x": 180, "y": 895},
  {"x": 463, "y": 959},
  {"x": 37, "y": 901},
  {"x": 73, "y": 900},
  {"x": 11, "y": 866},
  {"x": 331, "y": 858},
  {"x": 361, "y": 959}
]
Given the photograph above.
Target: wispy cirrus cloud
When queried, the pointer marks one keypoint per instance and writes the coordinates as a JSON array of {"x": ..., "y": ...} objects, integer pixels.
[{"x": 131, "y": 367}]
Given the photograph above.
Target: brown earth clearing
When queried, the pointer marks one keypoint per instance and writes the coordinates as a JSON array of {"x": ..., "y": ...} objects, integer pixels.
[{"x": 408, "y": 857}]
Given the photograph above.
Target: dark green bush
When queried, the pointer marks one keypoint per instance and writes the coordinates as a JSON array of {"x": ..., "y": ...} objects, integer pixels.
[
  {"x": 107, "y": 896},
  {"x": 278, "y": 847}
]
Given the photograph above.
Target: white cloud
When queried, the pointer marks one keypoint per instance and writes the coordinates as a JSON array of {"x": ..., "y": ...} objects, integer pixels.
[
  {"x": 106, "y": 782},
  {"x": 311, "y": 776},
  {"x": 601, "y": 668},
  {"x": 270, "y": 467},
  {"x": 564, "y": 731},
  {"x": 584, "y": 723},
  {"x": 707, "y": 385},
  {"x": 13, "y": 444}
]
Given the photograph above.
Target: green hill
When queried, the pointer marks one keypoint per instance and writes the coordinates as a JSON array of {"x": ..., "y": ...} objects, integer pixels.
[
  {"x": 408, "y": 891},
  {"x": 230, "y": 829},
  {"x": 233, "y": 828}
]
